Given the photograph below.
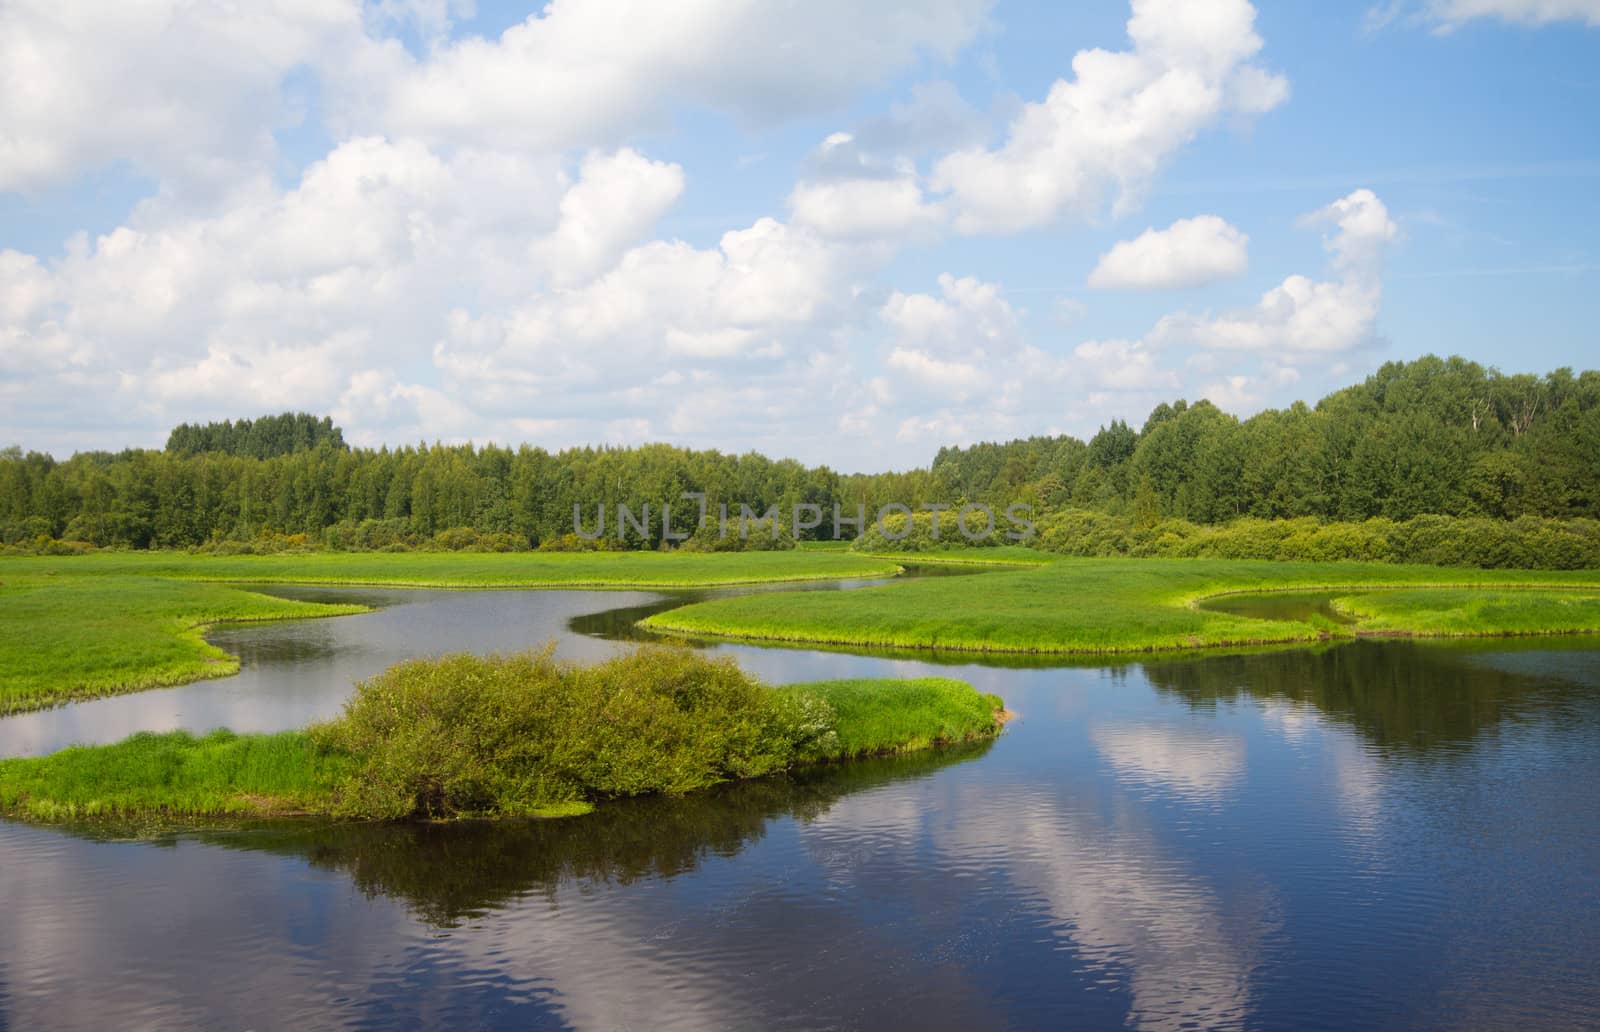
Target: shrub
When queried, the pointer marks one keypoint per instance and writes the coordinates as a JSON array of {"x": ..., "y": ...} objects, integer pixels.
[{"x": 463, "y": 735}]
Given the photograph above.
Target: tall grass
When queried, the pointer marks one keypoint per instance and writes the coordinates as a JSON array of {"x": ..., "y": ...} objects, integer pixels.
[
  {"x": 175, "y": 775},
  {"x": 873, "y": 717}
]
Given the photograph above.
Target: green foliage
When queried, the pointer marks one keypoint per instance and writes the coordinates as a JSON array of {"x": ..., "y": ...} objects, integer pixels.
[
  {"x": 261, "y": 438},
  {"x": 1112, "y": 605},
  {"x": 740, "y": 535},
  {"x": 927, "y": 534},
  {"x": 518, "y": 734}
]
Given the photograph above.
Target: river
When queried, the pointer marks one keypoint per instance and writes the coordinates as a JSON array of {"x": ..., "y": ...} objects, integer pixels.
[{"x": 1372, "y": 834}]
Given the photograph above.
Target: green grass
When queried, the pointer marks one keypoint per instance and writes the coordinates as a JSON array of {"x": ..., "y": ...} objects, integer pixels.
[
  {"x": 999, "y": 555},
  {"x": 81, "y": 627},
  {"x": 1450, "y": 612},
  {"x": 501, "y": 736},
  {"x": 474, "y": 569},
  {"x": 877, "y": 716},
  {"x": 1130, "y": 605},
  {"x": 75, "y": 637},
  {"x": 175, "y": 776}
]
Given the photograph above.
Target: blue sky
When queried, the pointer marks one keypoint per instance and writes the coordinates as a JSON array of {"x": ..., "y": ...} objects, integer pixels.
[{"x": 846, "y": 234}]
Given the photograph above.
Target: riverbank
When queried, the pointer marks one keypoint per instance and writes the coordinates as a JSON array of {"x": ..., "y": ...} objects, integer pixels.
[
  {"x": 1142, "y": 605},
  {"x": 503, "y": 736},
  {"x": 83, "y": 627}
]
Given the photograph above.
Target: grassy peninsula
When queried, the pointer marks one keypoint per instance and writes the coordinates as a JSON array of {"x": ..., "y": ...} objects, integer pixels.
[
  {"x": 80, "y": 627},
  {"x": 1133, "y": 605},
  {"x": 72, "y": 637},
  {"x": 498, "y": 736}
]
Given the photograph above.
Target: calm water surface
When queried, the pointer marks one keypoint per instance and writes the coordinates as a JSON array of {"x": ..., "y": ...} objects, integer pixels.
[{"x": 1368, "y": 835}]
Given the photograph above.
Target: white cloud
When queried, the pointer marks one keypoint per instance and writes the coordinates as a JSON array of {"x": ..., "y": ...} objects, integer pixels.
[
  {"x": 1303, "y": 316},
  {"x": 970, "y": 319},
  {"x": 188, "y": 92},
  {"x": 1121, "y": 365},
  {"x": 191, "y": 93},
  {"x": 617, "y": 200},
  {"x": 863, "y": 208},
  {"x": 1188, "y": 253},
  {"x": 849, "y": 193},
  {"x": 1117, "y": 121},
  {"x": 587, "y": 73}
]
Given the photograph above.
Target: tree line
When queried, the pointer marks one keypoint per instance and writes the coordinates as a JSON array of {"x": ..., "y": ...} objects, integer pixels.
[{"x": 1428, "y": 437}]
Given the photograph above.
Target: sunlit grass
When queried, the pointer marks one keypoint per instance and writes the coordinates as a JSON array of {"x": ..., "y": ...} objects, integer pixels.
[
  {"x": 73, "y": 637},
  {"x": 1128, "y": 605}
]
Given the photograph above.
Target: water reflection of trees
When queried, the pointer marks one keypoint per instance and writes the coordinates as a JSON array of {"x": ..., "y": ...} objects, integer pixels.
[
  {"x": 1402, "y": 695},
  {"x": 450, "y": 872}
]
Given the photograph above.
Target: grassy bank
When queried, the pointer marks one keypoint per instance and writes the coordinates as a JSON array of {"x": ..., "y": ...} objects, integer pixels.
[
  {"x": 1130, "y": 605},
  {"x": 85, "y": 626},
  {"x": 500, "y": 736},
  {"x": 71, "y": 637}
]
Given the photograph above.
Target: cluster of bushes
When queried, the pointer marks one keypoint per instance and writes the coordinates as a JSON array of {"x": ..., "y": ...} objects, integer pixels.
[
  {"x": 740, "y": 535},
  {"x": 1527, "y": 543},
  {"x": 930, "y": 534},
  {"x": 45, "y": 545},
  {"x": 527, "y": 734}
]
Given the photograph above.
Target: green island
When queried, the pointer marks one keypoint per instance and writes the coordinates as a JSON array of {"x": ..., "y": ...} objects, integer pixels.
[
  {"x": 80, "y": 627},
  {"x": 500, "y": 736},
  {"x": 1140, "y": 605}
]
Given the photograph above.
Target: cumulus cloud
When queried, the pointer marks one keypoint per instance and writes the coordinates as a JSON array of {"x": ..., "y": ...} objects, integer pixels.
[
  {"x": 1188, "y": 253},
  {"x": 617, "y": 199},
  {"x": 187, "y": 92},
  {"x": 477, "y": 253},
  {"x": 191, "y": 93},
  {"x": 1117, "y": 121},
  {"x": 1302, "y": 316}
]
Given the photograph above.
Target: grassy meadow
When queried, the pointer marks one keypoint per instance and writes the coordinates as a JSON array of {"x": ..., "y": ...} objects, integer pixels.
[
  {"x": 1130, "y": 605},
  {"x": 499, "y": 736},
  {"x": 472, "y": 569},
  {"x": 80, "y": 627},
  {"x": 76, "y": 637}
]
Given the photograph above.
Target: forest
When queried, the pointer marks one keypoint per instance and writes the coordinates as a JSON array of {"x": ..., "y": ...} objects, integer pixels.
[{"x": 1431, "y": 437}]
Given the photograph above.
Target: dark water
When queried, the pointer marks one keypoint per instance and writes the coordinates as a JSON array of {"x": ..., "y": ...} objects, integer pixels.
[{"x": 1377, "y": 834}]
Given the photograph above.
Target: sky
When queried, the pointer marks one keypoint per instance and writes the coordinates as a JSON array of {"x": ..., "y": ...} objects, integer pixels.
[{"x": 845, "y": 233}]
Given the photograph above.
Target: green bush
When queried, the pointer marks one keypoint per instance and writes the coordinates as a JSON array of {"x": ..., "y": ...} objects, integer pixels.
[
  {"x": 525, "y": 733},
  {"x": 741, "y": 536},
  {"x": 927, "y": 535}
]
